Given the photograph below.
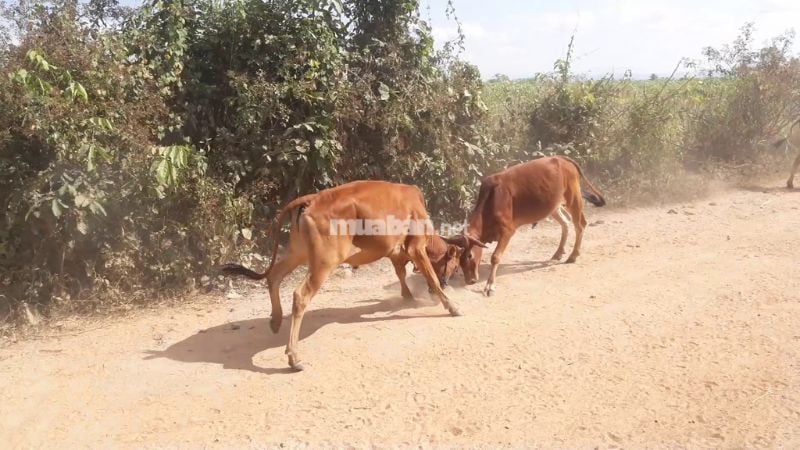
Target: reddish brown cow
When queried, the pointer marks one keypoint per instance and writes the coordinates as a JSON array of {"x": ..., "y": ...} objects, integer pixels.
[
  {"x": 520, "y": 195},
  {"x": 444, "y": 258},
  {"x": 313, "y": 241}
]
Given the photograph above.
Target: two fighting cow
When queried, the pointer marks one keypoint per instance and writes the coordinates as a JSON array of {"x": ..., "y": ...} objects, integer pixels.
[{"x": 523, "y": 194}]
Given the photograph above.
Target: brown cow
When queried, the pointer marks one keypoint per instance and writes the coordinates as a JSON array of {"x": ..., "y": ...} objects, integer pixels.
[
  {"x": 317, "y": 240},
  {"x": 520, "y": 195},
  {"x": 444, "y": 258},
  {"x": 792, "y": 141}
]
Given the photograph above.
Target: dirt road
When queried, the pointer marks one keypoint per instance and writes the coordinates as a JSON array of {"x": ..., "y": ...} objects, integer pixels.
[{"x": 675, "y": 328}]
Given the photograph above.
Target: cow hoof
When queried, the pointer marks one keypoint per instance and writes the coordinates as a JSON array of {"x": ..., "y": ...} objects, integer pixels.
[
  {"x": 275, "y": 325},
  {"x": 296, "y": 365},
  {"x": 557, "y": 257},
  {"x": 488, "y": 292},
  {"x": 408, "y": 297},
  {"x": 455, "y": 312},
  {"x": 571, "y": 259},
  {"x": 790, "y": 184}
]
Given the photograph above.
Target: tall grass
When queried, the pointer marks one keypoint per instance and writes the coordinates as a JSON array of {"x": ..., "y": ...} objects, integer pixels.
[{"x": 653, "y": 139}]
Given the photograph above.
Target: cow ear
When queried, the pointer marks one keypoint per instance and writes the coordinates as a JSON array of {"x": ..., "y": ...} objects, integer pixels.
[{"x": 453, "y": 251}]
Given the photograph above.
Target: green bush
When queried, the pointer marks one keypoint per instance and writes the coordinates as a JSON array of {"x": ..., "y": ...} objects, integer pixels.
[
  {"x": 140, "y": 148},
  {"x": 94, "y": 203}
]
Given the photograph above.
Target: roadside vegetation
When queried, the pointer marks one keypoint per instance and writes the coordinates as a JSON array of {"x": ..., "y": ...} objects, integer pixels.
[
  {"x": 660, "y": 138},
  {"x": 139, "y": 148}
]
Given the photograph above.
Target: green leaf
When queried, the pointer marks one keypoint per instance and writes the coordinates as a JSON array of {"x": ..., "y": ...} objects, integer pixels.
[
  {"x": 56, "y": 208},
  {"x": 83, "y": 228},
  {"x": 384, "y": 91},
  {"x": 82, "y": 201},
  {"x": 81, "y": 92},
  {"x": 162, "y": 172},
  {"x": 90, "y": 166},
  {"x": 44, "y": 86},
  {"x": 21, "y": 76},
  {"x": 96, "y": 207}
]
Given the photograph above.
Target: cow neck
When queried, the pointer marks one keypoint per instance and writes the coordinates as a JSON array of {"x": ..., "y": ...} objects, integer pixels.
[{"x": 475, "y": 227}]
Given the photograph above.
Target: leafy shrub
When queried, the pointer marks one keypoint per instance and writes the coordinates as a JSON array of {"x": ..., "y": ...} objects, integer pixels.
[
  {"x": 753, "y": 95},
  {"x": 93, "y": 201},
  {"x": 641, "y": 135},
  {"x": 142, "y": 147}
]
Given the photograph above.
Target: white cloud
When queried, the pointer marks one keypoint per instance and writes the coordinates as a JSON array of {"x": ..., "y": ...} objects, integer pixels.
[{"x": 553, "y": 21}]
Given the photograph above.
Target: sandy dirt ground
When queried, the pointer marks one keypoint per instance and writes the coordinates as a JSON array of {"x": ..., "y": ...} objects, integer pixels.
[{"x": 678, "y": 327}]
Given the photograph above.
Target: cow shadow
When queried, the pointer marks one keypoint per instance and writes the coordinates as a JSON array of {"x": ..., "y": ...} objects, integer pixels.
[
  {"x": 512, "y": 268},
  {"x": 767, "y": 189},
  {"x": 417, "y": 283},
  {"x": 234, "y": 344}
]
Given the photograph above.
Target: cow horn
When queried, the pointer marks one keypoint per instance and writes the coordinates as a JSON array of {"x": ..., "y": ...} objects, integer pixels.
[
  {"x": 464, "y": 241},
  {"x": 460, "y": 241},
  {"x": 474, "y": 241}
]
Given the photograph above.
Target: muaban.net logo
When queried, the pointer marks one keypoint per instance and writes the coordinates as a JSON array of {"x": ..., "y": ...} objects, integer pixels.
[{"x": 390, "y": 226}]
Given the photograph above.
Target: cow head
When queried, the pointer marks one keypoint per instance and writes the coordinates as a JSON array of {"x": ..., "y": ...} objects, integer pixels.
[
  {"x": 446, "y": 264},
  {"x": 470, "y": 258},
  {"x": 444, "y": 259}
]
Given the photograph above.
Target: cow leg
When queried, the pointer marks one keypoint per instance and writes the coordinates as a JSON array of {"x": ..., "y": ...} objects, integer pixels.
[
  {"x": 579, "y": 222},
  {"x": 558, "y": 215},
  {"x": 416, "y": 251},
  {"x": 502, "y": 243},
  {"x": 274, "y": 279},
  {"x": 399, "y": 263},
  {"x": 318, "y": 271},
  {"x": 362, "y": 258},
  {"x": 795, "y": 165}
]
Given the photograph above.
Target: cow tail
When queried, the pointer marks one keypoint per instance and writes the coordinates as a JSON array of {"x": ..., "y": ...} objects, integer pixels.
[
  {"x": 231, "y": 269},
  {"x": 236, "y": 269},
  {"x": 594, "y": 197},
  {"x": 300, "y": 201}
]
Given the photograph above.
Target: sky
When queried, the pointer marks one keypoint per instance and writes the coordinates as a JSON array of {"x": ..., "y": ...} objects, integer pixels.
[{"x": 521, "y": 38}]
